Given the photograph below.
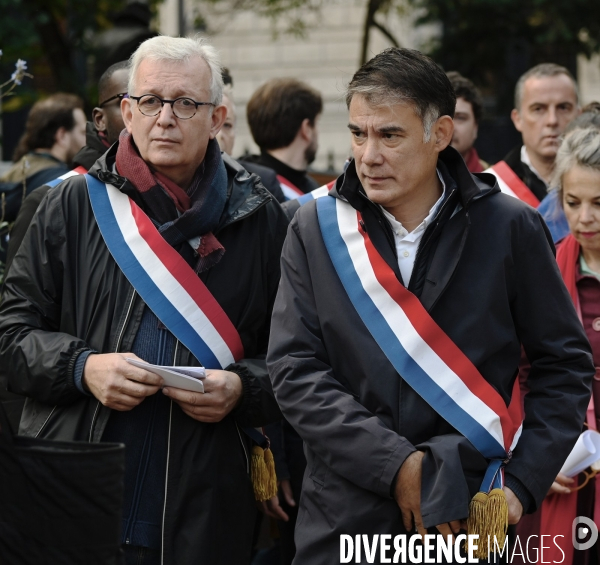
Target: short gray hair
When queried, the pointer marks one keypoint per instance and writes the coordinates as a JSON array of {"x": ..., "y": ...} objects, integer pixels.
[
  {"x": 178, "y": 49},
  {"x": 539, "y": 71},
  {"x": 581, "y": 147},
  {"x": 406, "y": 76}
]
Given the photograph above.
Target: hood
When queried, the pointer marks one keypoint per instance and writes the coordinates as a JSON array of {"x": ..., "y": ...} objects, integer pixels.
[
  {"x": 470, "y": 186},
  {"x": 245, "y": 192}
]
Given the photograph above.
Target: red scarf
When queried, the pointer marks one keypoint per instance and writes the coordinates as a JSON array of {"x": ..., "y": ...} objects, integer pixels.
[
  {"x": 199, "y": 213},
  {"x": 472, "y": 161},
  {"x": 567, "y": 257},
  {"x": 133, "y": 167}
]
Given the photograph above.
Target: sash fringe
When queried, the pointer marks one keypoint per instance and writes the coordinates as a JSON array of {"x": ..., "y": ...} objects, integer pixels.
[
  {"x": 488, "y": 516},
  {"x": 264, "y": 479}
]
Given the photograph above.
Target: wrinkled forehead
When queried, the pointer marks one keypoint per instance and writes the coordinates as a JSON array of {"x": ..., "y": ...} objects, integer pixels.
[
  {"x": 381, "y": 110},
  {"x": 548, "y": 89},
  {"x": 172, "y": 78}
]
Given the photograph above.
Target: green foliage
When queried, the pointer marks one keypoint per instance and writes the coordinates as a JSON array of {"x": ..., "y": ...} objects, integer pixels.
[
  {"x": 286, "y": 16},
  {"x": 54, "y": 36},
  {"x": 494, "y": 41}
]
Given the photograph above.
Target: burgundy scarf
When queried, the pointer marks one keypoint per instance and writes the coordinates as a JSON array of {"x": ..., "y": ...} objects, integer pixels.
[
  {"x": 567, "y": 257},
  {"x": 196, "y": 212},
  {"x": 473, "y": 163}
]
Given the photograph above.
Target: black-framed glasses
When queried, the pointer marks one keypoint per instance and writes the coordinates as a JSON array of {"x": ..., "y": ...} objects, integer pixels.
[
  {"x": 120, "y": 96},
  {"x": 184, "y": 108}
]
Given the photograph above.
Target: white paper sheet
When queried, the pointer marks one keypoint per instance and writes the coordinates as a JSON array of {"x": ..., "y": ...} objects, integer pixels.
[
  {"x": 585, "y": 453},
  {"x": 186, "y": 378}
]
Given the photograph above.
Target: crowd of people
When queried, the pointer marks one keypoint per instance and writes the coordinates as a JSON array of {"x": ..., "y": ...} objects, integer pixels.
[{"x": 396, "y": 347}]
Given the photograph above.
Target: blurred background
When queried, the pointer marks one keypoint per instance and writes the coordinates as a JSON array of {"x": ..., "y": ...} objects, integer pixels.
[{"x": 69, "y": 43}]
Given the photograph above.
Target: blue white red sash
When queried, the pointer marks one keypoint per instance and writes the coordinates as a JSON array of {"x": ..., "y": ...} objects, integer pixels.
[
  {"x": 316, "y": 193},
  {"x": 289, "y": 189},
  {"x": 166, "y": 283},
  {"x": 510, "y": 183},
  {"x": 76, "y": 171},
  {"x": 422, "y": 353}
]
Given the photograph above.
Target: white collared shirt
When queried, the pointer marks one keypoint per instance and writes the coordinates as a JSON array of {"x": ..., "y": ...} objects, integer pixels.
[
  {"x": 527, "y": 161},
  {"x": 407, "y": 243}
]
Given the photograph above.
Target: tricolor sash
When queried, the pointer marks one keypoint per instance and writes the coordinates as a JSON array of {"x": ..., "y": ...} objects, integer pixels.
[
  {"x": 511, "y": 184},
  {"x": 289, "y": 189},
  {"x": 166, "y": 283},
  {"x": 420, "y": 351},
  {"x": 316, "y": 193},
  {"x": 76, "y": 171}
]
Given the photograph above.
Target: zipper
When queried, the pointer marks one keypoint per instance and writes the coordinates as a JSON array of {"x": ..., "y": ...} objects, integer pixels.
[
  {"x": 162, "y": 541},
  {"x": 45, "y": 422},
  {"x": 429, "y": 233},
  {"x": 116, "y": 349},
  {"x": 244, "y": 448}
]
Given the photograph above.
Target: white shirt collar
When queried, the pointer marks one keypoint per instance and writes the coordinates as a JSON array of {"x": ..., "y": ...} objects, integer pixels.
[
  {"x": 401, "y": 231},
  {"x": 527, "y": 161}
]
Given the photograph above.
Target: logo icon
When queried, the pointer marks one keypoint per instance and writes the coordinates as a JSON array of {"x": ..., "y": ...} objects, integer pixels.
[{"x": 585, "y": 533}]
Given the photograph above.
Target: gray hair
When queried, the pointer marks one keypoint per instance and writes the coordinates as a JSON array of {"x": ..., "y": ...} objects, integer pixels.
[
  {"x": 539, "y": 71},
  {"x": 581, "y": 147},
  {"x": 405, "y": 76},
  {"x": 178, "y": 49}
]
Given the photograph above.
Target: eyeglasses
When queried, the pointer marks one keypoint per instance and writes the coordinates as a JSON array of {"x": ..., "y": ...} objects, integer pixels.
[
  {"x": 183, "y": 108},
  {"x": 120, "y": 96}
]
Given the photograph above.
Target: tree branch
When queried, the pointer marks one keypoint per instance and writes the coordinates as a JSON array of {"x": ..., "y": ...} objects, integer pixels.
[
  {"x": 372, "y": 8},
  {"x": 385, "y": 32}
]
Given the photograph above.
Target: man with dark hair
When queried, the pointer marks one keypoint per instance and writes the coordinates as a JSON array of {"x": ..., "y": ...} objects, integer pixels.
[
  {"x": 282, "y": 115},
  {"x": 546, "y": 100},
  {"x": 99, "y": 135},
  {"x": 54, "y": 133},
  {"x": 406, "y": 295},
  {"x": 226, "y": 140},
  {"x": 467, "y": 115}
]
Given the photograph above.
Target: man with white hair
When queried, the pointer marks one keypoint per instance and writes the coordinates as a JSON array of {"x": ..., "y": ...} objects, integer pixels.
[{"x": 167, "y": 252}]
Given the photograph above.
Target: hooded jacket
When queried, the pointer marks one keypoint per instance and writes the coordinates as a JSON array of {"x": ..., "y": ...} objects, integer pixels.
[
  {"x": 65, "y": 295},
  {"x": 477, "y": 273},
  {"x": 86, "y": 157}
]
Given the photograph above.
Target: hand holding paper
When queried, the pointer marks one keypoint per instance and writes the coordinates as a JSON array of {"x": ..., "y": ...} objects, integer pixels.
[
  {"x": 223, "y": 392},
  {"x": 186, "y": 378}
]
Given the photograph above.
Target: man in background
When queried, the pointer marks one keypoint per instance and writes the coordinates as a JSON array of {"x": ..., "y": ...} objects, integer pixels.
[
  {"x": 282, "y": 115},
  {"x": 546, "y": 100},
  {"x": 100, "y": 134},
  {"x": 54, "y": 133},
  {"x": 469, "y": 109},
  {"x": 226, "y": 140}
]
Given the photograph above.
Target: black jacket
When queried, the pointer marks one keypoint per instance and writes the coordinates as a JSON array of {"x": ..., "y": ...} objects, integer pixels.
[
  {"x": 86, "y": 157},
  {"x": 486, "y": 273},
  {"x": 513, "y": 160},
  {"x": 65, "y": 294},
  {"x": 300, "y": 179},
  {"x": 267, "y": 176}
]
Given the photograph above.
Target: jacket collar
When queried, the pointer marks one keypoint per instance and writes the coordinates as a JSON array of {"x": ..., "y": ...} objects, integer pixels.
[
  {"x": 470, "y": 186},
  {"x": 245, "y": 194},
  {"x": 430, "y": 276}
]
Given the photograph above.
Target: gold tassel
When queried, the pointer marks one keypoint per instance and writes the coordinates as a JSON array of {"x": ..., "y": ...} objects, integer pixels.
[
  {"x": 488, "y": 516},
  {"x": 262, "y": 472},
  {"x": 476, "y": 523},
  {"x": 497, "y": 517},
  {"x": 270, "y": 463}
]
